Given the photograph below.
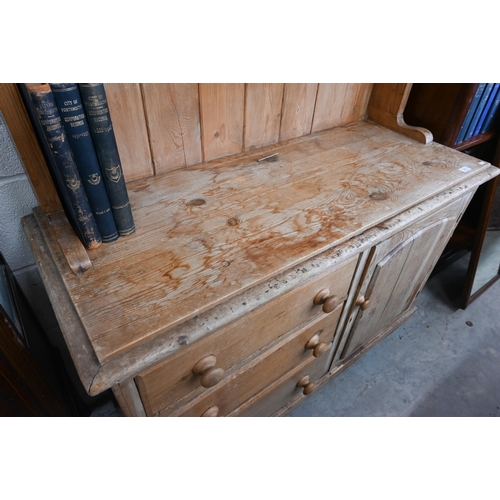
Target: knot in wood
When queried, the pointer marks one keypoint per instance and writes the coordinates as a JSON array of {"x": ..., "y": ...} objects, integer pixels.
[
  {"x": 377, "y": 195},
  {"x": 196, "y": 202}
]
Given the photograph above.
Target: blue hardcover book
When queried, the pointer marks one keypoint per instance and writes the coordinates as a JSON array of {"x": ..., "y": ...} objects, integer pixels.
[
  {"x": 477, "y": 114},
  {"x": 488, "y": 99},
  {"x": 69, "y": 103},
  {"x": 492, "y": 112},
  {"x": 101, "y": 128},
  {"x": 53, "y": 129},
  {"x": 470, "y": 113}
]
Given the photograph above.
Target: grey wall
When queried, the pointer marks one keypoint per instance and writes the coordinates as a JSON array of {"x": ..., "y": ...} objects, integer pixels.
[{"x": 17, "y": 199}]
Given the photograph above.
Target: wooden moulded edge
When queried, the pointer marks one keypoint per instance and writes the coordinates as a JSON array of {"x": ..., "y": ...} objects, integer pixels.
[{"x": 72, "y": 329}]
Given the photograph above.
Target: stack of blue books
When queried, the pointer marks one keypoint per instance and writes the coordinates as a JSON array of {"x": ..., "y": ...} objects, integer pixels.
[{"x": 482, "y": 112}]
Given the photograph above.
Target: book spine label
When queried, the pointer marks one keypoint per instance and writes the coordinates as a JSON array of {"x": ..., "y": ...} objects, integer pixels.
[
  {"x": 101, "y": 128},
  {"x": 52, "y": 127},
  {"x": 69, "y": 104}
]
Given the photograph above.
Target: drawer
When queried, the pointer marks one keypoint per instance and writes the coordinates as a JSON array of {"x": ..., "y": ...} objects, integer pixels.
[
  {"x": 284, "y": 390},
  {"x": 309, "y": 343},
  {"x": 174, "y": 379}
]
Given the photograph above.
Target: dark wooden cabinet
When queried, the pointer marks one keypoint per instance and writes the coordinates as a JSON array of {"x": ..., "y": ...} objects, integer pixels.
[
  {"x": 29, "y": 386},
  {"x": 442, "y": 108}
]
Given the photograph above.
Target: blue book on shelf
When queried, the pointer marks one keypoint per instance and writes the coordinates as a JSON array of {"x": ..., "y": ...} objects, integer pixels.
[
  {"x": 51, "y": 123},
  {"x": 488, "y": 97},
  {"x": 70, "y": 106},
  {"x": 96, "y": 108},
  {"x": 477, "y": 114},
  {"x": 470, "y": 114},
  {"x": 493, "y": 109}
]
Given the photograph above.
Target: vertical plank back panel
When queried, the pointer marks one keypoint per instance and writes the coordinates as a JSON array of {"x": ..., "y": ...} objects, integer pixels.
[
  {"x": 340, "y": 103},
  {"x": 389, "y": 97},
  {"x": 173, "y": 118},
  {"x": 24, "y": 137},
  {"x": 222, "y": 114},
  {"x": 299, "y": 100},
  {"x": 263, "y": 103},
  {"x": 386, "y": 107},
  {"x": 129, "y": 123}
]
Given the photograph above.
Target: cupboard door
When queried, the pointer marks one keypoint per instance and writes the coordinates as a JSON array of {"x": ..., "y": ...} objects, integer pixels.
[{"x": 398, "y": 269}]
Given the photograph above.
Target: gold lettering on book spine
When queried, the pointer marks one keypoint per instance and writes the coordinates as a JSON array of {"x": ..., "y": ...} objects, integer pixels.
[
  {"x": 102, "y": 130},
  {"x": 83, "y": 134},
  {"x": 74, "y": 118},
  {"x": 73, "y": 108}
]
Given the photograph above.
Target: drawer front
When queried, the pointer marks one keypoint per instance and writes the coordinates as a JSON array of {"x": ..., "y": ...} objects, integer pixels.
[
  {"x": 283, "y": 391},
  {"x": 308, "y": 343},
  {"x": 174, "y": 379}
]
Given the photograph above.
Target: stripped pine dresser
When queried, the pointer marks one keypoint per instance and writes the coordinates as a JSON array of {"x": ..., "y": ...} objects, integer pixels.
[{"x": 281, "y": 231}]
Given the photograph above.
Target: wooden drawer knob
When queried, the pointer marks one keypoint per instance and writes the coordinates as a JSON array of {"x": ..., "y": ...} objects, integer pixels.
[
  {"x": 308, "y": 386},
  {"x": 362, "y": 302},
  {"x": 330, "y": 302},
  {"x": 213, "y": 411},
  {"x": 318, "y": 347},
  {"x": 210, "y": 375}
]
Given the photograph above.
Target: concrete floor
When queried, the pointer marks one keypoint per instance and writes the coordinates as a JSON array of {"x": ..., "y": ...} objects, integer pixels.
[{"x": 444, "y": 361}]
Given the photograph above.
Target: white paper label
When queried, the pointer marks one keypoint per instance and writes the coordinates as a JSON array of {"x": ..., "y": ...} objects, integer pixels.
[{"x": 464, "y": 169}]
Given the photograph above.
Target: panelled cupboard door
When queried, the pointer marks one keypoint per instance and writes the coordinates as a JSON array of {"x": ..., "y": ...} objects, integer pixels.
[{"x": 399, "y": 267}]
